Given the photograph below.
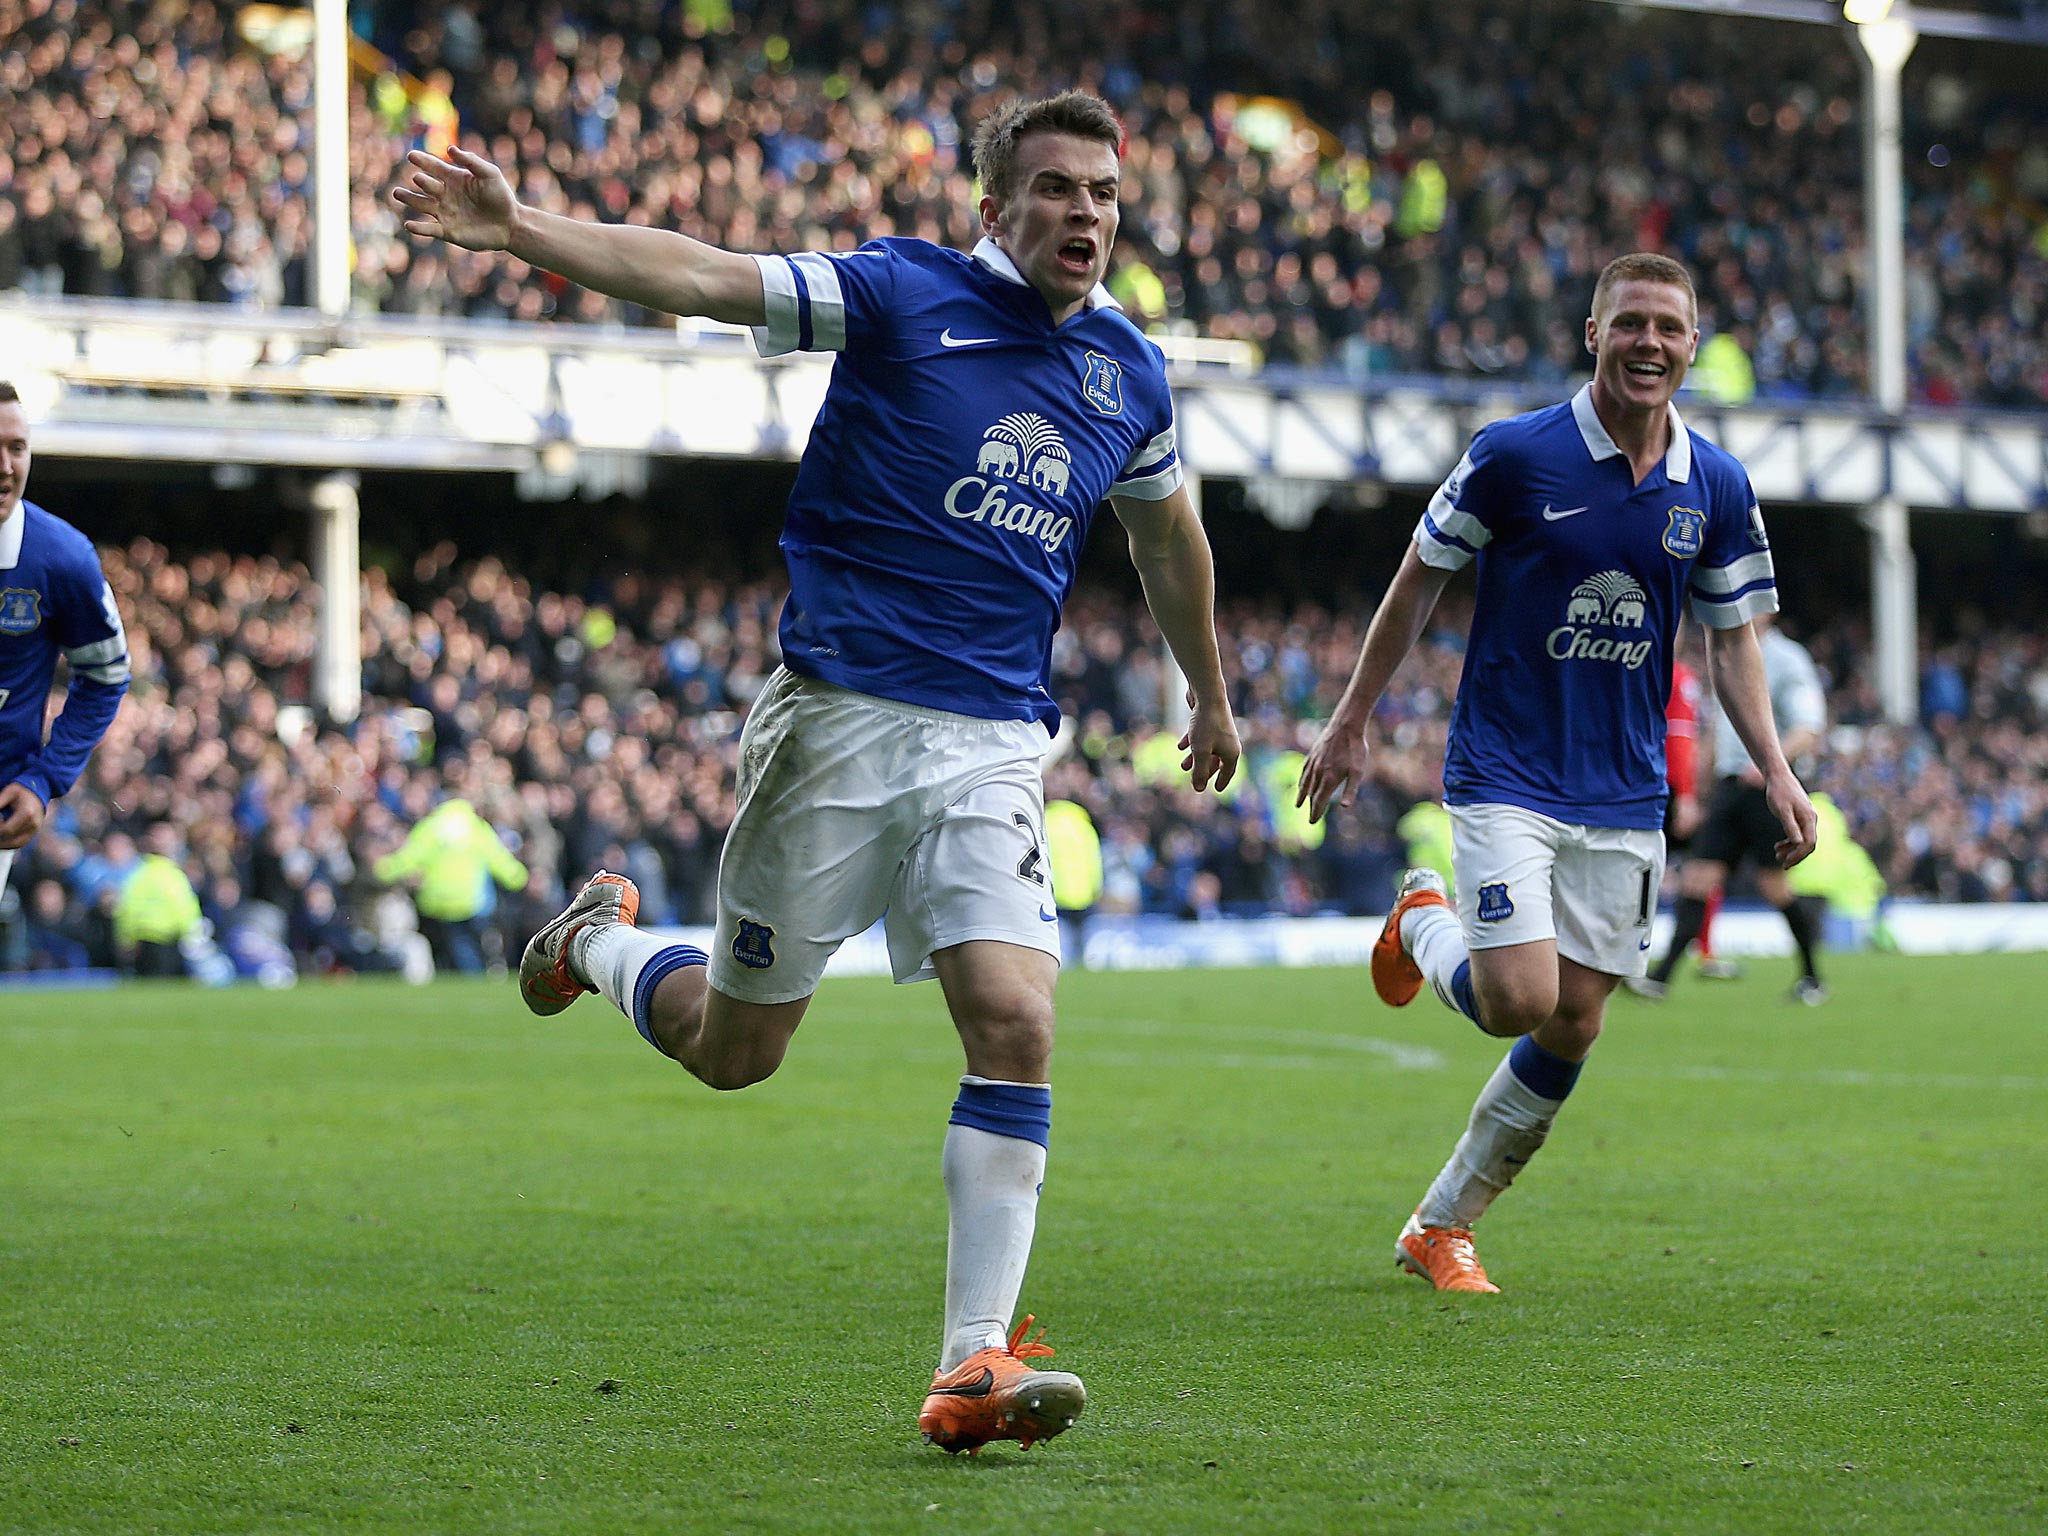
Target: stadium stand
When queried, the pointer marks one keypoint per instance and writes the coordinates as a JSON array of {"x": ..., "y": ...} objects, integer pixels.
[
  {"x": 1321, "y": 183},
  {"x": 601, "y": 729}
]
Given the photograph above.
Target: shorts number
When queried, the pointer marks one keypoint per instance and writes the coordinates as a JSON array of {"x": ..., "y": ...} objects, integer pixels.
[
  {"x": 1643, "y": 906},
  {"x": 1027, "y": 867}
]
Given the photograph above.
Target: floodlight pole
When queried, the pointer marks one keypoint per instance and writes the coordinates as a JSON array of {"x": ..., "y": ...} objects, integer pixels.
[
  {"x": 337, "y": 566},
  {"x": 330, "y": 158},
  {"x": 1885, "y": 46}
]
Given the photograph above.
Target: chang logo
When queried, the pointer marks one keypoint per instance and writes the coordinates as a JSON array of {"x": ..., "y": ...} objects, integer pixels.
[
  {"x": 1021, "y": 456},
  {"x": 1613, "y": 600}
]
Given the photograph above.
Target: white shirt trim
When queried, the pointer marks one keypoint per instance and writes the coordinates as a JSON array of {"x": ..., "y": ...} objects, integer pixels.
[
  {"x": 778, "y": 301},
  {"x": 1677, "y": 458},
  {"x": 998, "y": 261},
  {"x": 12, "y": 532}
]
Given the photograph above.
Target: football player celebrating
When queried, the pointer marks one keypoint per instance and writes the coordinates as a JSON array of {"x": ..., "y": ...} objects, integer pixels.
[
  {"x": 1591, "y": 522},
  {"x": 981, "y": 408},
  {"x": 54, "y": 600}
]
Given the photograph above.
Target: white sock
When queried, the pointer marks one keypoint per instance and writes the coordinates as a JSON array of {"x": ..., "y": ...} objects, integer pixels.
[
  {"x": 611, "y": 956},
  {"x": 1509, "y": 1122},
  {"x": 1435, "y": 941},
  {"x": 992, "y": 1187}
]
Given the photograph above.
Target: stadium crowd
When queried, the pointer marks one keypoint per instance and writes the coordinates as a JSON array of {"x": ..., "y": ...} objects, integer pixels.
[
  {"x": 594, "y": 732},
  {"x": 1436, "y": 193}
]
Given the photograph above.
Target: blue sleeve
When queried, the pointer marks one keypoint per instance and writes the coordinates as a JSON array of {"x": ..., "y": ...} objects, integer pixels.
[
  {"x": 89, "y": 630},
  {"x": 1460, "y": 518},
  {"x": 1153, "y": 472},
  {"x": 1732, "y": 580},
  {"x": 820, "y": 303}
]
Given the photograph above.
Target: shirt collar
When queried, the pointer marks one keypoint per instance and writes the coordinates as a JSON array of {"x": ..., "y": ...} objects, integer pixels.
[
  {"x": 12, "y": 532},
  {"x": 997, "y": 260},
  {"x": 1677, "y": 458}
]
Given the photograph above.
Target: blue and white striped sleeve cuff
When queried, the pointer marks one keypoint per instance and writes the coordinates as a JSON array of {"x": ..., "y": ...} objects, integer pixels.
[
  {"x": 806, "y": 308},
  {"x": 1154, "y": 472},
  {"x": 104, "y": 661},
  {"x": 1727, "y": 596},
  {"x": 1448, "y": 538}
]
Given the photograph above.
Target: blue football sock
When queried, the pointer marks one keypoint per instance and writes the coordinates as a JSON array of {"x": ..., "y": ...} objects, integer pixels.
[
  {"x": 674, "y": 958},
  {"x": 1021, "y": 1110},
  {"x": 1544, "y": 1074}
]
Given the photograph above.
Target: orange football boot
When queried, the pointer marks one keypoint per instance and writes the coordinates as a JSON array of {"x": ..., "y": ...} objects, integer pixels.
[
  {"x": 1394, "y": 976},
  {"x": 545, "y": 981},
  {"x": 1443, "y": 1256},
  {"x": 994, "y": 1395}
]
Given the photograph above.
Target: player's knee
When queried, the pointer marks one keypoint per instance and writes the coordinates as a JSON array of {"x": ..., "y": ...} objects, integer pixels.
[
  {"x": 1570, "y": 1032},
  {"x": 1013, "y": 1027},
  {"x": 1699, "y": 879},
  {"x": 1511, "y": 1011},
  {"x": 729, "y": 1071}
]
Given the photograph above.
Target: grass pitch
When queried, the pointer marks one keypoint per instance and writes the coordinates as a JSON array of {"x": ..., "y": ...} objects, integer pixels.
[{"x": 359, "y": 1258}]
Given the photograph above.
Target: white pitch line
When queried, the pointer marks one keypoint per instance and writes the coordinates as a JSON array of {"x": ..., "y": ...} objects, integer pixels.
[{"x": 1398, "y": 1054}]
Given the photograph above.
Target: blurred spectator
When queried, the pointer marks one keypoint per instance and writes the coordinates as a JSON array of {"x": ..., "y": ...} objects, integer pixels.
[
  {"x": 56, "y": 934},
  {"x": 576, "y": 742},
  {"x": 1429, "y": 198},
  {"x": 157, "y": 910},
  {"x": 452, "y": 855}
]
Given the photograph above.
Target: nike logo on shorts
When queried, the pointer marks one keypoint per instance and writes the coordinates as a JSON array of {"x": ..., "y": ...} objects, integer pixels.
[
  {"x": 1552, "y": 515},
  {"x": 948, "y": 339},
  {"x": 1047, "y": 917}
]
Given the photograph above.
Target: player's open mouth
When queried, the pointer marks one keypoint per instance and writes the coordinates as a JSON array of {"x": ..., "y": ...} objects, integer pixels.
[
  {"x": 1648, "y": 370},
  {"x": 1078, "y": 255}
]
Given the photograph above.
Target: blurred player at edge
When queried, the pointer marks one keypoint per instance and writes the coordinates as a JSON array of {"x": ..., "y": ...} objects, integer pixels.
[
  {"x": 1682, "y": 771},
  {"x": 1739, "y": 827},
  {"x": 1592, "y": 522},
  {"x": 54, "y": 600},
  {"x": 981, "y": 408}
]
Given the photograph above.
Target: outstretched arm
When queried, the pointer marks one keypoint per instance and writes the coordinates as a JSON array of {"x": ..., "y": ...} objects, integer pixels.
[
  {"x": 466, "y": 201},
  {"x": 1337, "y": 760},
  {"x": 1178, "y": 573},
  {"x": 1736, "y": 663}
]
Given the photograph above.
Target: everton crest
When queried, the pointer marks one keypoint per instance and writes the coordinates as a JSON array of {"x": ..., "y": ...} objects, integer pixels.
[
  {"x": 1686, "y": 535},
  {"x": 754, "y": 945},
  {"x": 1494, "y": 904},
  {"x": 20, "y": 610},
  {"x": 1104, "y": 385}
]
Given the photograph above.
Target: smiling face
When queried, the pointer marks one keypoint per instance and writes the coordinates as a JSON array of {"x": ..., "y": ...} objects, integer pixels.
[
  {"x": 13, "y": 457},
  {"x": 1642, "y": 335},
  {"x": 1060, "y": 222}
]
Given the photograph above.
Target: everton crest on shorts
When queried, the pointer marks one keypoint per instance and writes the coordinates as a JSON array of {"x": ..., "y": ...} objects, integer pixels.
[{"x": 754, "y": 945}]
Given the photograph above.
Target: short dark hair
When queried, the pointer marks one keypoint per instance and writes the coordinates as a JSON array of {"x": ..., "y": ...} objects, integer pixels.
[
  {"x": 9, "y": 395},
  {"x": 996, "y": 140},
  {"x": 1645, "y": 267}
]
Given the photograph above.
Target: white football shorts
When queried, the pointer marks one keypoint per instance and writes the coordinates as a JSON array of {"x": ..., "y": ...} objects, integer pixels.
[
  {"x": 1524, "y": 876},
  {"x": 6, "y": 864},
  {"x": 851, "y": 807}
]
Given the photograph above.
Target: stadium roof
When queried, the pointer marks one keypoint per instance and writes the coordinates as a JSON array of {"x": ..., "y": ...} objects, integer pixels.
[{"x": 1991, "y": 21}]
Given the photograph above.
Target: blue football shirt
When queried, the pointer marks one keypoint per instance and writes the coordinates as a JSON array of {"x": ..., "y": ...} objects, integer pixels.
[
  {"x": 54, "y": 600},
  {"x": 963, "y": 447},
  {"x": 1583, "y": 575}
]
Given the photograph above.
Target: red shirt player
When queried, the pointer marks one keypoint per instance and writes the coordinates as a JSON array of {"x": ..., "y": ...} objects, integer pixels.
[{"x": 1682, "y": 770}]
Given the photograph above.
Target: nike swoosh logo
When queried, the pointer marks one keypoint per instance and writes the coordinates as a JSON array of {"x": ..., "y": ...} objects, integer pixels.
[
  {"x": 1551, "y": 516},
  {"x": 948, "y": 339},
  {"x": 981, "y": 1388},
  {"x": 1047, "y": 917}
]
